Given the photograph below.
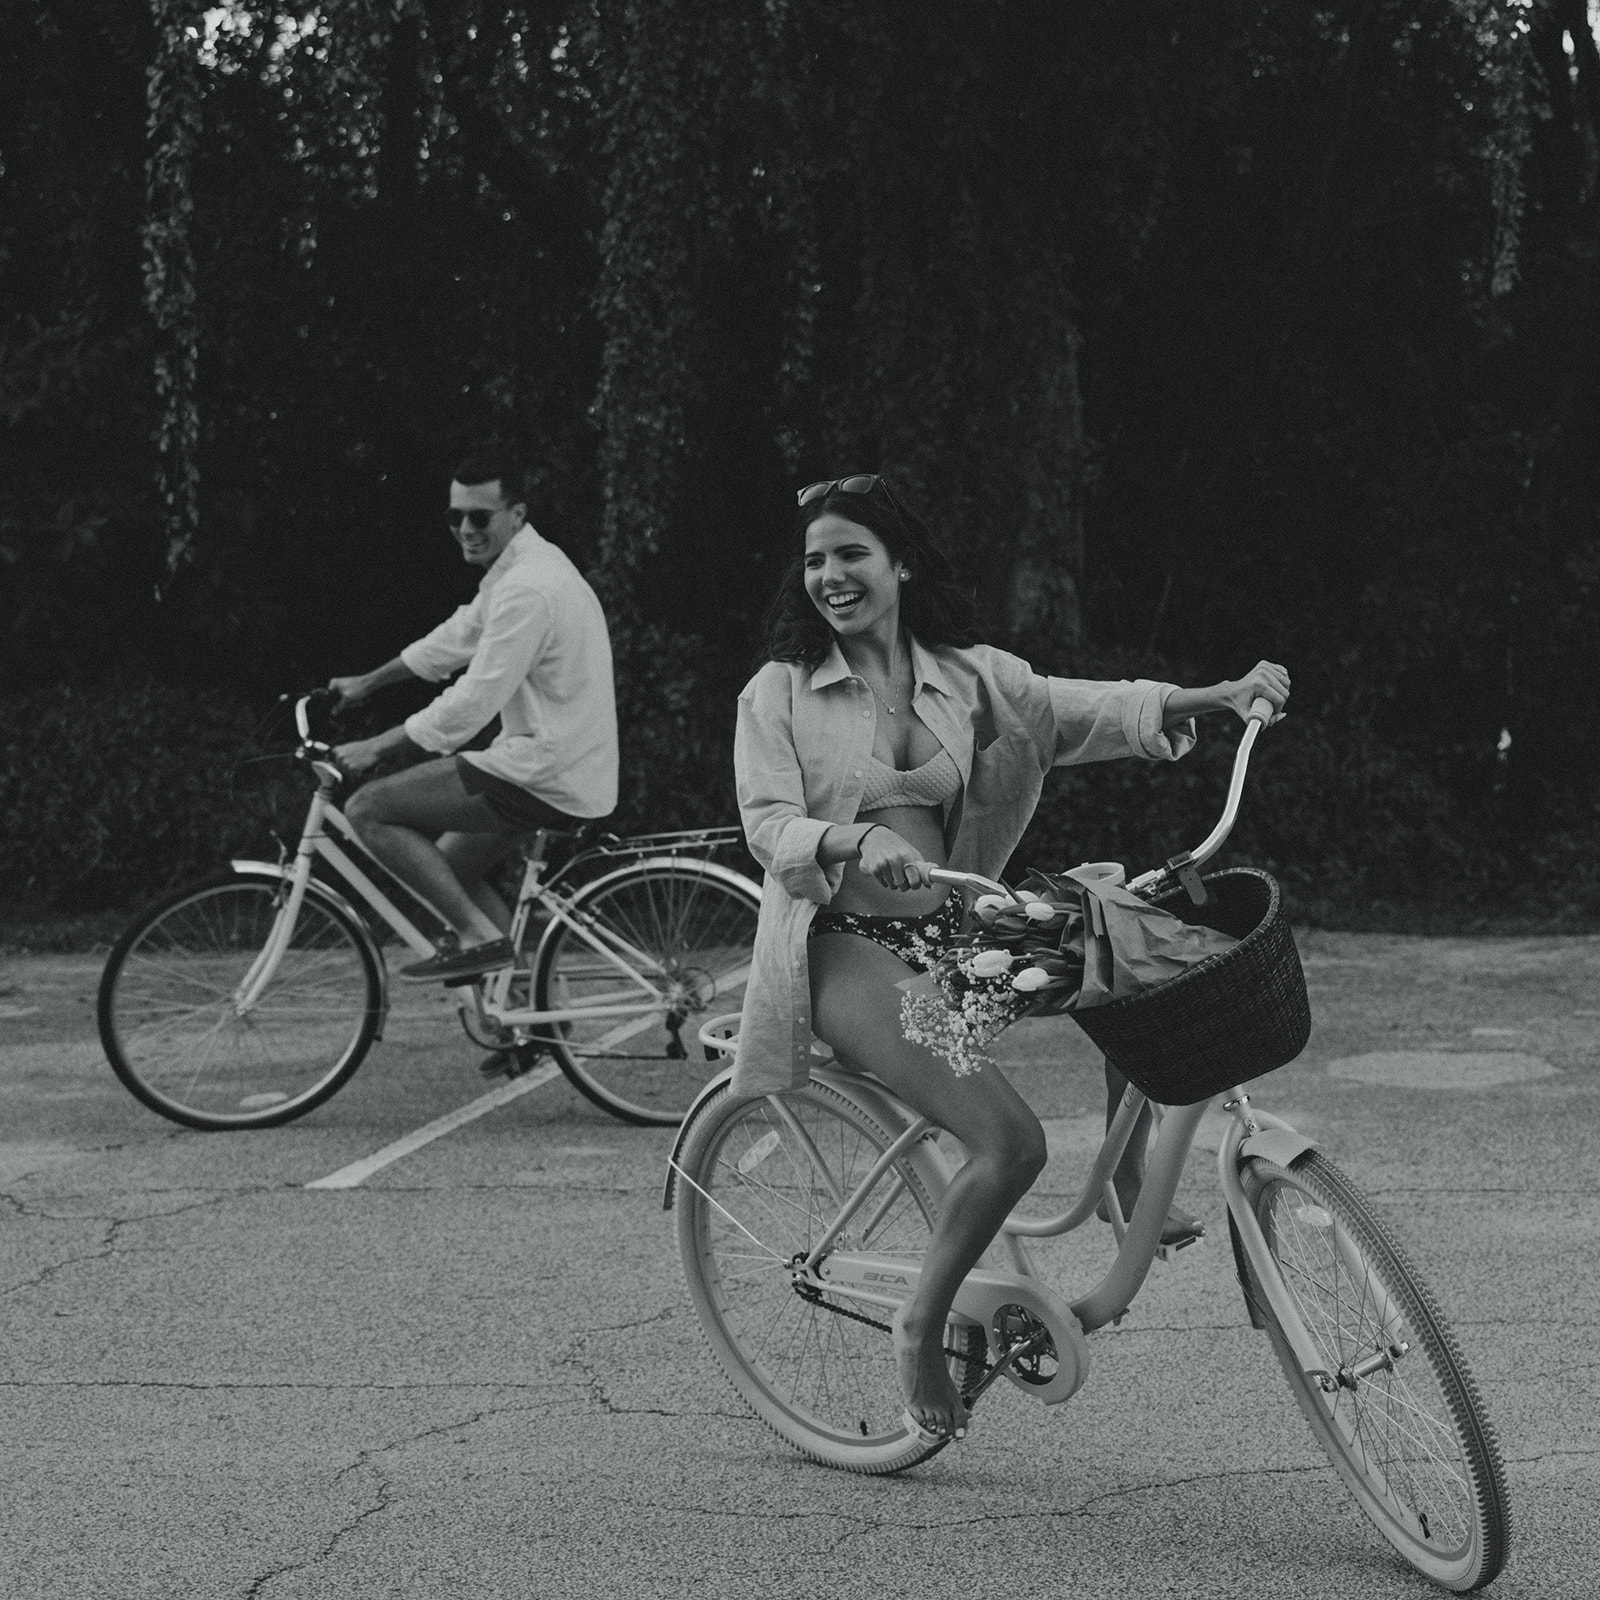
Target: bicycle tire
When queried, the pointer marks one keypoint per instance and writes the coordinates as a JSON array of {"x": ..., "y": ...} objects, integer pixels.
[
  {"x": 749, "y": 1203},
  {"x": 174, "y": 1036},
  {"x": 695, "y": 924},
  {"x": 1409, "y": 1438}
]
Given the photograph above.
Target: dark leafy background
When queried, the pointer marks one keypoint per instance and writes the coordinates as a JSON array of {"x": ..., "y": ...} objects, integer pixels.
[{"x": 1201, "y": 332}]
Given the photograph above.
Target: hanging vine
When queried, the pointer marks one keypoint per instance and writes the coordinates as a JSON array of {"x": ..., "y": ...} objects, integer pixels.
[{"x": 173, "y": 128}]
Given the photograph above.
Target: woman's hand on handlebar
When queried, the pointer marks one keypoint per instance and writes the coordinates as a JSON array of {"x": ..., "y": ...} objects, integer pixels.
[
  {"x": 888, "y": 858},
  {"x": 1265, "y": 681}
]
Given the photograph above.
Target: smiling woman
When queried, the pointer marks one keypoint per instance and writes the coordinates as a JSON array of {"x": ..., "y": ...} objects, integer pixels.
[{"x": 880, "y": 740}]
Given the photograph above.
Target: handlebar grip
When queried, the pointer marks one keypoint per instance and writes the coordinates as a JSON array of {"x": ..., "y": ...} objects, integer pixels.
[
  {"x": 1260, "y": 710},
  {"x": 968, "y": 880}
]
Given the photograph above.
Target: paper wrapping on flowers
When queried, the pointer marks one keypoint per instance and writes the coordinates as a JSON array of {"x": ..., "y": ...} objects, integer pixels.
[{"x": 1076, "y": 940}]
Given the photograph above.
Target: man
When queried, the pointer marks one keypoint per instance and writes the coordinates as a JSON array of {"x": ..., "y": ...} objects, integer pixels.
[{"x": 537, "y": 654}]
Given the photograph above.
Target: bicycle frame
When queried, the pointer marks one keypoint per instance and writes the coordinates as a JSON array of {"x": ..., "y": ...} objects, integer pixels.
[
  {"x": 315, "y": 842},
  {"x": 618, "y": 952},
  {"x": 492, "y": 997},
  {"x": 1138, "y": 1237}
]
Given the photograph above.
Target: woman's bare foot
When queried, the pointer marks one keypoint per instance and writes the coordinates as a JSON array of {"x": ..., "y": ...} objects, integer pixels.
[{"x": 932, "y": 1400}]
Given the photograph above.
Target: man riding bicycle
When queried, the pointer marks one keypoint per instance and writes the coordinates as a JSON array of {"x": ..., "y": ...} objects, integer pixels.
[{"x": 537, "y": 655}]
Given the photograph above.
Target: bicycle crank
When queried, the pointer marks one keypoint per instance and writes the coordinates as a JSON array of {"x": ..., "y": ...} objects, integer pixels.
[{"x": 1012, "y": 1311}]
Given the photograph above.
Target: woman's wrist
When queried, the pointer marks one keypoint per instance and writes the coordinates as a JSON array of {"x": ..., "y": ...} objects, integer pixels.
[
  {"x": 1185, "y": 703},
  {"x": 861, "y": 838}
]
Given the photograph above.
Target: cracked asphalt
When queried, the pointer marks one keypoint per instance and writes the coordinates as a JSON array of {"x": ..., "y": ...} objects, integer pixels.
[{"x": 477, "y": 1374}]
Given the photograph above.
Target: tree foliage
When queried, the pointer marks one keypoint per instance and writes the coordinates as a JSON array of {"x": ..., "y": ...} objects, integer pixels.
[{"x": 1201, "y": 331}]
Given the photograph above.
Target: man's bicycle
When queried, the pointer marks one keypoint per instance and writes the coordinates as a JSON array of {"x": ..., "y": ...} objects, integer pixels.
[
  {"x": 247, "y": 999},
  {"x": 802, "y": 1218}
]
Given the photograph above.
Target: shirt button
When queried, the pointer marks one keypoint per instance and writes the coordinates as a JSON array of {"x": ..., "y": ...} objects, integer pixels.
[
  {"x": 867, "y": 712},
  {"x": 858, "y": 772}
]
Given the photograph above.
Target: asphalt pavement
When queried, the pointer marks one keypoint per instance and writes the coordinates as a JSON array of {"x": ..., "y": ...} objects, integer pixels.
[{"x": 473, "y": 1370}]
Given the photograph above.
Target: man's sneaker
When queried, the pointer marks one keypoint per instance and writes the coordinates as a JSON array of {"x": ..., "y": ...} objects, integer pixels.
[{"x": 449, "y": 960}]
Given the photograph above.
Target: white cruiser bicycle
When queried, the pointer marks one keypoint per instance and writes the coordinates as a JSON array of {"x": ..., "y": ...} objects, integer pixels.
[
  {"x": 802, "y": 1218},
  {"x": 247, "y": 999}
]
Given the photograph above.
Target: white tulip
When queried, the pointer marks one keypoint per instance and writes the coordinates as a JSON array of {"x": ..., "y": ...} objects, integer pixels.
[
  {"x": 1030, "y": 978},
  {"x": 991, "y": 963}
]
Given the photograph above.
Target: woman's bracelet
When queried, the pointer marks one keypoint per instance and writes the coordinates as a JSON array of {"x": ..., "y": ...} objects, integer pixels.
[{"x": 862, "y": 837}]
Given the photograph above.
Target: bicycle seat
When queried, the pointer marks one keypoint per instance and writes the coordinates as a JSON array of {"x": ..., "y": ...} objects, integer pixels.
[{"x": 537, "y": 843}]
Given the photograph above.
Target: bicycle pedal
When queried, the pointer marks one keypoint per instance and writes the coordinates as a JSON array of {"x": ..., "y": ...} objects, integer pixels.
[
  {"x": 510, "y": 1063},
  {"x": 1165, "y": 1252}
]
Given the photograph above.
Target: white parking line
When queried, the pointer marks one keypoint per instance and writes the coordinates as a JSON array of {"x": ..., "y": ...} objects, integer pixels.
[{"x": 360, "y": 1171}]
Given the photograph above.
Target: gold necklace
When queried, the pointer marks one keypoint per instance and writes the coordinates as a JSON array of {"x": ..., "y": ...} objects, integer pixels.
[
  {"x": 876, "y": 691},
  {"x": 881, "y": 701}
]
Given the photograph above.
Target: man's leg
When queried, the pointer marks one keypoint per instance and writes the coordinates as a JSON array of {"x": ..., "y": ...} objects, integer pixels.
[
  {"x": 398, "y": 819},
  {"x": 472, "y": 856}
]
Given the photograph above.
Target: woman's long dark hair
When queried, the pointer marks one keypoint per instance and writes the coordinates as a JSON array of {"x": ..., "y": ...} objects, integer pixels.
[{"x": 934, "y": 608}]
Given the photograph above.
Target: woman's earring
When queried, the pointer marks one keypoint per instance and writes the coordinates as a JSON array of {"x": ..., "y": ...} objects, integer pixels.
[{"x": 904, "y": 575}]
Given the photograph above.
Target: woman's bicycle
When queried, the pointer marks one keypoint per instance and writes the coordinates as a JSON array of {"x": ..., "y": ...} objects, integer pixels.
[
  {"x": 247, "y": 999},
  {"x": 802, "y": 1218}
]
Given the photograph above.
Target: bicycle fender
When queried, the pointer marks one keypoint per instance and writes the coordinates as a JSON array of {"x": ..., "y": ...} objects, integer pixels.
[
  {"x": 1281, "y": 1146},
  {"x": 319, "y": 890},
  {"x": 714, "y": 1087},
  {"x": 873, "y": 1098},
  {"x": 707, "y": 868},
  {"x": 867, "y": 1096}
]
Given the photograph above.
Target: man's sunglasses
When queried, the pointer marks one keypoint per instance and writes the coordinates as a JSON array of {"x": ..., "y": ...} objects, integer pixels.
[
  {"x": 861, "y": 483},
  {"x": 476, "y": 519}
]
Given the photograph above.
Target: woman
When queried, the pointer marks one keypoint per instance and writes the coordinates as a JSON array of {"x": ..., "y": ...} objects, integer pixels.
[{"x": 880, "y": 738}]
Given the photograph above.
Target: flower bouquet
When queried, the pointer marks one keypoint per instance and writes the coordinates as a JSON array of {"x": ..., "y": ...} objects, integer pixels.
[{"x": 1067, "y": 941}]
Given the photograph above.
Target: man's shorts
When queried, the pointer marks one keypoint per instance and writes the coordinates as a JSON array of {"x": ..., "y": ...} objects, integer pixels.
[{"x": 521, "y": 811}]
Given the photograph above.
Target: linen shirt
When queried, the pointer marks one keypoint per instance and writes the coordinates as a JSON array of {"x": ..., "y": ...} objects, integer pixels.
[
  {"x": 538, "y": 656},
  {"x": 800, "y": 761}
]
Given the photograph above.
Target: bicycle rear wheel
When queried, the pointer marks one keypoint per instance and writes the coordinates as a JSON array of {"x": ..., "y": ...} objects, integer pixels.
[
  {"x": 171, "y": 1019},
  {"x": 683, "y": 931},
  {"x": 1394, "y": 1407},
  {"x": 752, "y": 1197}
]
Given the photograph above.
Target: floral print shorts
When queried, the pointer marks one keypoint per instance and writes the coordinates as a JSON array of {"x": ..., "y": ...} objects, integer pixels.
[{"x": 917, "y": 941}]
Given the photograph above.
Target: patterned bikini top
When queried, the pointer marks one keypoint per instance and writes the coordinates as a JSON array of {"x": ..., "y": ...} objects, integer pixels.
[{"x": 935, "y": 782}]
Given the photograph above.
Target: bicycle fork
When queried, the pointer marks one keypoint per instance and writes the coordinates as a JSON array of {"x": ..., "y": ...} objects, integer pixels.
[
  {"x": 1256, "y": 1133},
  {"x": 265, "y": 966}
]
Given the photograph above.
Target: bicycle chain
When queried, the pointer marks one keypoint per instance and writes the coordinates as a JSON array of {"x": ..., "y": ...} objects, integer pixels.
[{"x": 814, "y": 1297}]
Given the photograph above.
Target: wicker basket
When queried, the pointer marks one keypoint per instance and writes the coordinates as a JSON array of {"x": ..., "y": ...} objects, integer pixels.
[{"x": 1232, "y": 1017}]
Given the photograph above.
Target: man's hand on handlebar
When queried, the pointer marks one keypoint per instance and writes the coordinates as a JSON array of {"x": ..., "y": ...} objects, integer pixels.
[
  {"x": 360, "y": 756},
  {"x": 888, "y": 858},
  {"x": 1265, "y": 681},
  {"x": 351, "y": 691}
]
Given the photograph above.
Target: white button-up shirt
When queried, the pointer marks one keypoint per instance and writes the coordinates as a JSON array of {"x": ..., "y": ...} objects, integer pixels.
[
  {"x": 538, "y": 656},
  {"x": 800, "y": 755}
]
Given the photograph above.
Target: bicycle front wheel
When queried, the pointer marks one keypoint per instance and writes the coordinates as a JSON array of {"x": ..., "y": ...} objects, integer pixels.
[
  {"x": 756, "y": 1188},
  {"x": 182, "y": 1034},
  {"x": 650, "y": 950},
  {"x": 1393, "y": 1405}
]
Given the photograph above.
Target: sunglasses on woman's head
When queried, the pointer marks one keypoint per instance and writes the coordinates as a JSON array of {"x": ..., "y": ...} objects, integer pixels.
[
  {"x": 861, "y": 483},
  {"x": 477, "y": 519}
]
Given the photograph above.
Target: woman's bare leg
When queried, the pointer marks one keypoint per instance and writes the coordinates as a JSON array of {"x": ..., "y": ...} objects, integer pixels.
[{"x": 855, "y": 1008}]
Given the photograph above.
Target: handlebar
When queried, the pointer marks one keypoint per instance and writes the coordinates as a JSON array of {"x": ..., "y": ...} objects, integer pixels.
[
  {"x": 317, "y": 751},
  {"x": 1260, "y": 715}
]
